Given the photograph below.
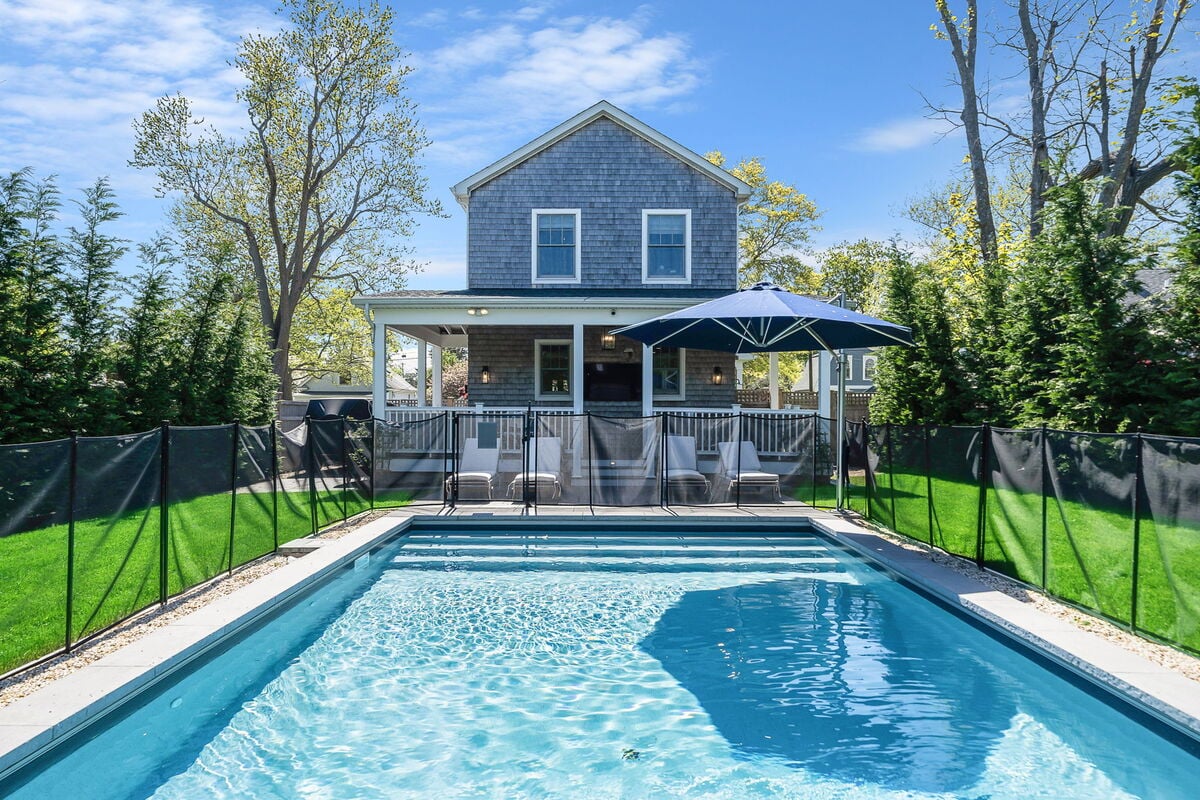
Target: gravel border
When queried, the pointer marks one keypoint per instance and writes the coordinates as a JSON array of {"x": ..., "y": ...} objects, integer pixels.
[
  {"x": 1161, "y": 654},
  {"x": 31, "y": 680}
]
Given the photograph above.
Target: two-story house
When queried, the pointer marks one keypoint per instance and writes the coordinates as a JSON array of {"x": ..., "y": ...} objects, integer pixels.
[{"x": 598, "y": 223}]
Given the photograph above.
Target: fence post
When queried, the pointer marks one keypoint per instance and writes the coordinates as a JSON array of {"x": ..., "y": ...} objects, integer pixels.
[
  {"x": 371, "y": 463},
  {"x": 868, "y": 474},
  {"x": 274, "y": 486},
  {"x": 1045, "y": 499},
  {"x": 664, "y": 488},
  {"x": 816, "y": 424},
  {"x": 311, "y": 447},
  {"x": 345, "y": 471},
  {"x": 929, "y": 484},
  {"x": 72, "y": 479},
  {"x": 1138, "y": 488},
  {"x": 450, "y": 449},
  {"x": 891, "y": 474},
  {"x": 451, "y": 492},
  {"x": 164, "y": 464},
  {"x": 591, "y": 465},
  {"x": 233, "y": 481},
  {"x": 738, "y": 462},
  {"x": 984, "y": 468}
]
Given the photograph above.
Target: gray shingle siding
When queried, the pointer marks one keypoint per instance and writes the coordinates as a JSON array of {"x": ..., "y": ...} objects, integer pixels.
[
  {"x": 611, "y": 175},
  {"x": 507, "y": 352}
]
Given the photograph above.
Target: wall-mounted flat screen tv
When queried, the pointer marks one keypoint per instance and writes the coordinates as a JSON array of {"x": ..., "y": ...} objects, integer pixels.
[{"x": 612, "y": 382}]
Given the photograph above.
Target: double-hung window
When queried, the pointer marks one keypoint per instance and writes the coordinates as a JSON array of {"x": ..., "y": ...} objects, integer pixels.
[
  {"x": 556, "y": 255},
  {"x": 552, "y": 369},
  {"x": 666, "y": 245},
  {"x": 668, "y": 372}
]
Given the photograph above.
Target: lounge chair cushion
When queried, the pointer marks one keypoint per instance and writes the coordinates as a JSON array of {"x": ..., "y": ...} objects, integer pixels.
[
  {"x": 754, "y": 476},
  {"x": 681, "y": 453},
  {"x": 685, "y": 476},
  {"x": 732, "y": 464}
]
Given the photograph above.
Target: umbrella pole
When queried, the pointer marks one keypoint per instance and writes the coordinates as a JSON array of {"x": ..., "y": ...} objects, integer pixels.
[{"x": 841, "y": 427}]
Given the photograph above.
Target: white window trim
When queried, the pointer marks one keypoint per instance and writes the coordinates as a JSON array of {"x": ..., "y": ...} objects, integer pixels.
[
  {"x": 683, "y": 375},
  {"x": 537, "y": 370},
  {"x": 687, "y": 243},
  {"x": 533, "y": 245},
  {"x": 869, "y": 362}
]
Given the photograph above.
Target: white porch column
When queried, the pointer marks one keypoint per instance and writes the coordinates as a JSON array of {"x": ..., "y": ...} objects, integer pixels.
[
  {"x": 435, "y": 392},
  {"x": 824, "y": 365},
  {"x": 379, "y": 372},
  {"x": 422, "y": 373},
  {"x": 648, "y": 380},
  {"x": 773, "y": 379},
  {"x": 577, "y": 366}
]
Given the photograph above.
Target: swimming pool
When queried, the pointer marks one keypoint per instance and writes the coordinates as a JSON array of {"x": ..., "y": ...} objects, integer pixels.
[{"x": 624, "y": 663}]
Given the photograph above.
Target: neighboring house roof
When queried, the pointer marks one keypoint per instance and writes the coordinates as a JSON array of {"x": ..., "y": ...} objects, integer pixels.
[{"x": 462, "y": 190}]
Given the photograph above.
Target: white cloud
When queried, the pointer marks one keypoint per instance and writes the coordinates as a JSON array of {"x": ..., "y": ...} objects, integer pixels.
[
  {"x": 492, "y": 85},
  {"x": 901, "y": 134}
]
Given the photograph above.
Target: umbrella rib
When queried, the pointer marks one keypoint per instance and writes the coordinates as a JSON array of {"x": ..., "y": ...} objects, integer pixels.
[
  {"x": 676, "y": 333},
  {"x": 796, "y": 327},
  {"x": 882, "y": 333}
]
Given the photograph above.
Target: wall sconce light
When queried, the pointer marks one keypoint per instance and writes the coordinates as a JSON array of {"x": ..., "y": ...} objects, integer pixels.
[
  {"x": 718, "y": 376},
  {"x": 480, "y": 311},
  {"x": 608, "y": 342},
  {"x": 629, "y": 354},
  {"x": 485, "y": 375}
]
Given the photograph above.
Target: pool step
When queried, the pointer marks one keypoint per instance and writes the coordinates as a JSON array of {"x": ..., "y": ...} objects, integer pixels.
[
  {"x": 626, "y": 551},
  {"x": 527, "y": 539},
  {"x": 826, "y": 569}
]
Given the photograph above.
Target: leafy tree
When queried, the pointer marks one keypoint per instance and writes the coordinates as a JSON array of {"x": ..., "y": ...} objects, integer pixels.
[
  {"x": 1077, "y": 348},
  {"x": 856, "y": 268},
  {"x": 146, "y": 349},
  {"x": 90, "y": 294},
  {"x": 1178, "y": 326},
  {"x": 32, "y": 361},
  {"x": 925, "y": 383},
  {"x": 331, "y": 336},
  {"x": 774, "y": 226},
  {"x": 328, "y": 167},
  {"x": 1090, "y": 110}
]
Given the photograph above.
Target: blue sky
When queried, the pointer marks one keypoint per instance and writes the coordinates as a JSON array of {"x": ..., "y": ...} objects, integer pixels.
[{"x": 830, "y": 96}]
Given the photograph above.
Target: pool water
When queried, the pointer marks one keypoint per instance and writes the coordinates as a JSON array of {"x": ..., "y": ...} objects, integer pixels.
[{"x": 737, "y": 665}]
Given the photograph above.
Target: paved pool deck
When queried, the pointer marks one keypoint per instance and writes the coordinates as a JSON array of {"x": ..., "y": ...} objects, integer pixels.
[{"x": 32, "y": 724}]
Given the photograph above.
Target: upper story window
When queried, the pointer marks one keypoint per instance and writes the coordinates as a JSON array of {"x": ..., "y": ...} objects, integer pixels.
[
  {"x": 556, "y": 255},
  {"x": 869, "y": 368},
  {"x": 666, "y": 245}
]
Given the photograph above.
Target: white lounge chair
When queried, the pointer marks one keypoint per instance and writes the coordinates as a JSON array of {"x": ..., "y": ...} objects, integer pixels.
[
  {"x": 477, "y": 468},
  {"x": 542, "y": 481},
  {"x": 684, "y": 480},
  {"x": 744, "y": 471}
]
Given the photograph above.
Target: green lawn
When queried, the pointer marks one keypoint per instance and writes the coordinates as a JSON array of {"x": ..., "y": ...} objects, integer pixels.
[
  {"x": 117, "y": 560},
  {"x": 1088, "y": 552}
]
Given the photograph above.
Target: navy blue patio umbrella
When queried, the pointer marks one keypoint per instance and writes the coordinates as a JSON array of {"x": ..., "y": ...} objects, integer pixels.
[{"x": 766, "y": 319}]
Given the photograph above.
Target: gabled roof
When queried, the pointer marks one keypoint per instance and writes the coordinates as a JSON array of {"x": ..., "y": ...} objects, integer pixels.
[{"x": 462, "y": 190}]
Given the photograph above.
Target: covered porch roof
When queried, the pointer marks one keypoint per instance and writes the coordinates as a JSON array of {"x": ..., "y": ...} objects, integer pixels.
[{"x": 441, "y": 317}]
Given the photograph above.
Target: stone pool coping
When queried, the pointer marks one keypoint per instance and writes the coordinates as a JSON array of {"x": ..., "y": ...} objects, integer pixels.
[{"x": 32, "y": 724}]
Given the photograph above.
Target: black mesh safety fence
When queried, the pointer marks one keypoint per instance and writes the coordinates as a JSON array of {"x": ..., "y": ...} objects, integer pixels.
[
  {"x": 486, "y": 456},
  {"x": 96, "y": 529},
  {"x": 880, "y": 500},
  {"x": 954, "y": 463},
  {"x": 294, "y": 502},
  {"x": 1089, "y": 538},
  {"x": 621, "y": 467},
  {"x": 859, "y": 471},
  {"x": 1167, "y": 572},
  {"x": 693, "y": 471},
  {"x": 255, "y": 502},
  {"x": 359, "y": 481},
  {"x": 198, "y": 502},
  {"x": 1012, "y": 504},
  {"x": 557, "y": 462},
  {"x": 412, "y": 460},
  {"x": 908, "y": 455},
  {"x": 327, "y": 470},
  {"x": 119, "y": 555},
  {"x": 35, "y": 532}
]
